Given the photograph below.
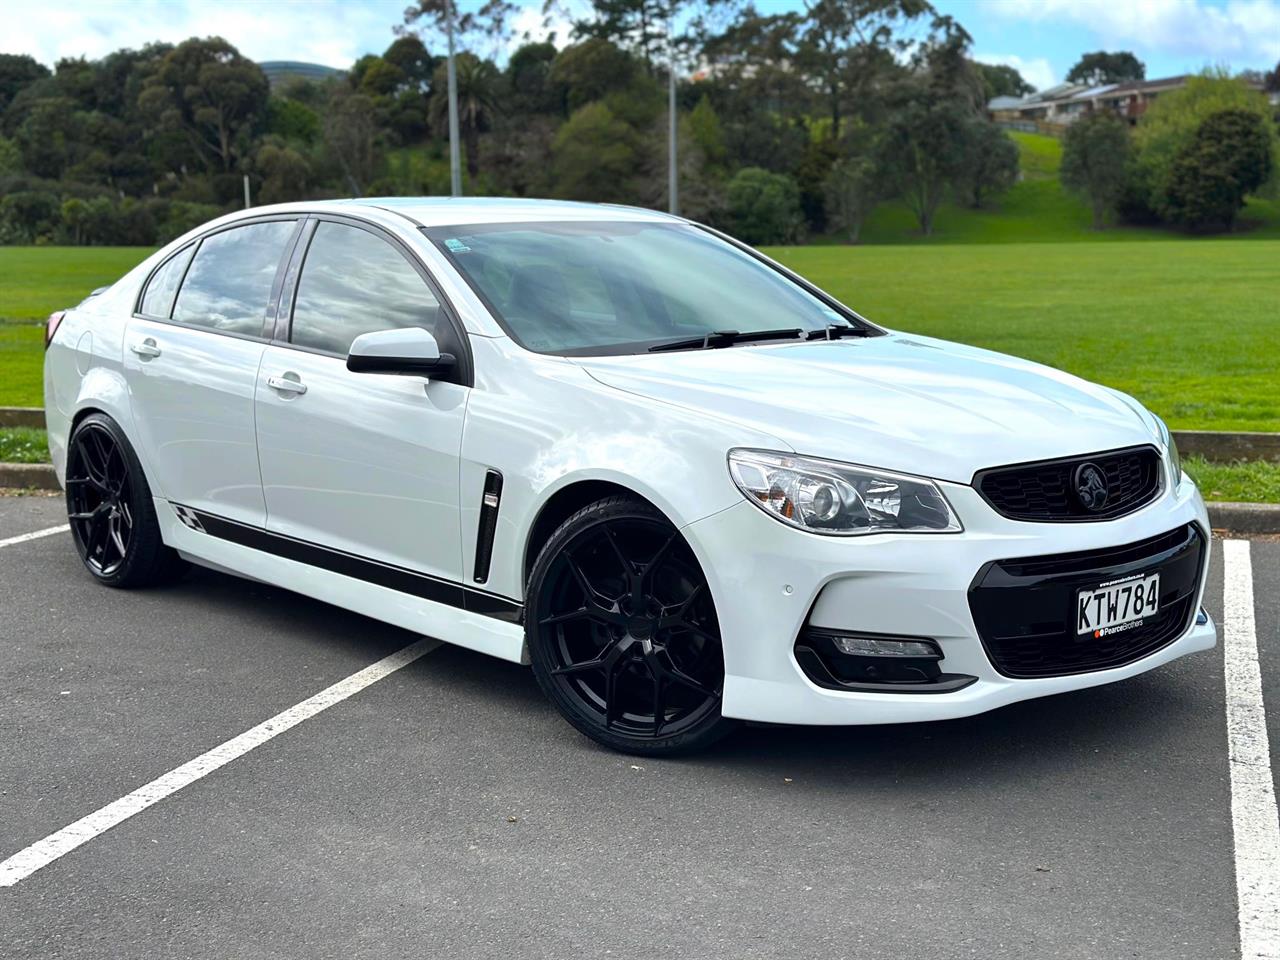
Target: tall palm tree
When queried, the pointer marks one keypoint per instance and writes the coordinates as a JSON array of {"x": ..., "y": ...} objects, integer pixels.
[{"x": 478, "y": 101}]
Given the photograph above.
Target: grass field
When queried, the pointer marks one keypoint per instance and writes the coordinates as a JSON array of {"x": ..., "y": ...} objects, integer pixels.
[{"x": 1190, "y": 327}]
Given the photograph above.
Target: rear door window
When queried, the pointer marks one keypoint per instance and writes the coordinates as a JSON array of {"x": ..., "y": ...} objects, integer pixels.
[
  {"x": 228, "y": 287},
  {"x": 355, "y": 282}
]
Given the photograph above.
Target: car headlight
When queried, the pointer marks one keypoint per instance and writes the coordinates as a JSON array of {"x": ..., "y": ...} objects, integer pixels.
[
  {"x": 1171, "y": 450},
  {"x": 839, "y": 499}
]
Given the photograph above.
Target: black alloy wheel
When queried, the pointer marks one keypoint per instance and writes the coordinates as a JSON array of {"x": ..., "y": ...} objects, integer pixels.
[
  {"x": 109, "y": 509},
  {"x": 623, "y": 633}
]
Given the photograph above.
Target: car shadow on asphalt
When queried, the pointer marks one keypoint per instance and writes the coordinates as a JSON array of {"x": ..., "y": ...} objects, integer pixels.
[{"x": 1140, "y": 718}]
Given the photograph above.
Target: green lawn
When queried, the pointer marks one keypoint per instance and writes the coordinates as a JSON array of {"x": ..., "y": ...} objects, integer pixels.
[
  {"x": 23, "y": 445},
  {"x": 35, "y": 281},
  {"x": 1189, "y": 327}
]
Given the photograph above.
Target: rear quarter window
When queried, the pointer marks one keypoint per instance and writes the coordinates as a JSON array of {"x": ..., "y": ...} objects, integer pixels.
[{"x": 157, "y": 300}]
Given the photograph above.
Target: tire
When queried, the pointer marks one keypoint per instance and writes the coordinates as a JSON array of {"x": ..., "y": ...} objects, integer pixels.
[
  {"x": 622, "y": 632},
  {"x": 110, "y": 510}
]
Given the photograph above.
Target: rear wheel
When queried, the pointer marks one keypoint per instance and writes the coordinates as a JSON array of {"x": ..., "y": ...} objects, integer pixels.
[
  {"x": 623, "y": 634},
  {"x": 109, "y": 507}
]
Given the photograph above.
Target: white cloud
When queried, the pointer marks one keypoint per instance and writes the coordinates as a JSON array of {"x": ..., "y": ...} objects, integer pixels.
[
  {"x": 1036, "y": 70},
  {"x": 1238, "y": 30},
  {"x": 317, "y": 31}
]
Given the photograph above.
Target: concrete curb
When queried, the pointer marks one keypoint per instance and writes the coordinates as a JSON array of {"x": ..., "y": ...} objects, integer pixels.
[
  {"x": 1223, "y": 447},
  {"x": 28, "y": 476},
  {"x": 22, "y": 417},
  {"x": 1245, "y": 517}
]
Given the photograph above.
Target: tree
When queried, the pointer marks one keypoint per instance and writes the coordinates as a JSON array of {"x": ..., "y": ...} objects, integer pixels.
[
  {"x": 478, "y": 98},
  {"x": 837, "y": 36},
  {"x": 1229, "y": 158},
  {"x": 1271, "y": 82},
  {"x": 594, "y": 156},
  {"x": 285, "y": 174},
  {"x": 639, "y": 25},
  {"x": 410, "y": 56},
  {"x": 1095, "y": 153},
  {"x": 1102, "y": 67},
  {"x": 922, "y": 152},
  {"x": 206, "y": 89},
  {"x": 349, "y": 132},
  {"x": 764, "y": 207},
  {"x": 852, "y": 189},
  {"x": 1002, "y": 80},
  {"x": 16, "y": 72},
  {"x": 1171, "y": 123},
  {"x": 487, "y": 21},
  {"x": 989, "y": 165},
  {"x": 591, "y": 70}
]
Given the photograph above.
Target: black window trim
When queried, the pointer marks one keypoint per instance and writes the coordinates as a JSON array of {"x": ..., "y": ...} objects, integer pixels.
[
  {"x": 282, "y": 332},
  {"x": 435, "y": 233},
  {"x": 198, "y": 242}
]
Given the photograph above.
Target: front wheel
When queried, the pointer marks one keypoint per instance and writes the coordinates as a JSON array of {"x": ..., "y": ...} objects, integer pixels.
[{"x": 623, "y": 634}]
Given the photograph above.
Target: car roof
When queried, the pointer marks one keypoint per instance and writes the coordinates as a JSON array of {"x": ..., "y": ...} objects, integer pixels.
[{"x": 444, "y": 211}]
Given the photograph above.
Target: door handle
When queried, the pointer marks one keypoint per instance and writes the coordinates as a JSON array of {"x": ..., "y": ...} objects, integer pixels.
[
  {"x": 146, "y": 348},
  {"x": 288, "y": 383}
]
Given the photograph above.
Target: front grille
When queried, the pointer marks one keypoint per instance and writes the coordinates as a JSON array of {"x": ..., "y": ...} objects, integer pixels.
[
  {"x": 1045, "y": 491},
  {"x": 1025, "y": 609}
]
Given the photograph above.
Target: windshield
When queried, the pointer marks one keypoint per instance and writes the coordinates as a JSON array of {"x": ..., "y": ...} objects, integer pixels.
[{"x": 587, "y": 288}]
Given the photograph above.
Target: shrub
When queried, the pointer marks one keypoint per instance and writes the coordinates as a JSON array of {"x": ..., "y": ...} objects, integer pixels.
[
  {"x": 1229, "y": 158},
  {"x": 764, "y": 207}
]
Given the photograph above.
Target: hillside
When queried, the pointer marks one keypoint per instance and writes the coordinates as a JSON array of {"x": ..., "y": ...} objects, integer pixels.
[{"x": 1035, "y": 210}]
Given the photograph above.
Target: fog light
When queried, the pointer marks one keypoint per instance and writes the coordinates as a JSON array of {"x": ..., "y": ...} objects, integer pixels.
[{"x": 875, "y": 647}]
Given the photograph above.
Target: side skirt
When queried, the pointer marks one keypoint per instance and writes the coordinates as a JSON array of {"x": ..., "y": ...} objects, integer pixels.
[{"x": 447, "y": 611}]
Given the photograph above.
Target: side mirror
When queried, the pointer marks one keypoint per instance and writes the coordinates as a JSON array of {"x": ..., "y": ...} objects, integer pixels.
[{"x": 410, "y": 351}]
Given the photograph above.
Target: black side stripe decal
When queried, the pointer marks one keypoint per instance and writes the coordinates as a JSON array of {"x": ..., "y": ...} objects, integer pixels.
[{"x": 359, "y": 568}]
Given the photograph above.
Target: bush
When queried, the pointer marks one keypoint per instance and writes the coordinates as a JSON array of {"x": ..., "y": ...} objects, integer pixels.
[
  {"x": 1229, "y": 158},
  {"x": 1171, "y": 124},
  {"x": 764, "y": 207}
]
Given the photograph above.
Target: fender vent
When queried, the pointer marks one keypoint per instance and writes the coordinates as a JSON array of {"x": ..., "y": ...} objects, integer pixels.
[{"x": 490, "y": 500}]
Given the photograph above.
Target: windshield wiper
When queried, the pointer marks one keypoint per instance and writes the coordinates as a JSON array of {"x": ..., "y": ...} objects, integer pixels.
[
  {"x": 834, "y": 331},
  {"x": 727, "y": 338}
]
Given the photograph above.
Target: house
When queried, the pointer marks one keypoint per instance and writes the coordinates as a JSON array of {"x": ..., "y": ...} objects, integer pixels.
[{"x": 1052, "y": 110}]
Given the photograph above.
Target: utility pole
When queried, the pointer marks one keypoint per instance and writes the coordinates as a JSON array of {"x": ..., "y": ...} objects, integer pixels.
[
  {"x": 673, "y": 179},
  {"x": 455, "y": 162}
]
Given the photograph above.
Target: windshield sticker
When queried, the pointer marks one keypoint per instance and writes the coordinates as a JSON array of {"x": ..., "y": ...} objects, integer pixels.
[{"x": 456, "y": 246}]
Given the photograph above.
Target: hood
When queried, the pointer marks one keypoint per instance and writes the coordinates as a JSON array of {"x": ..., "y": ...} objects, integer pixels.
[{"x": 906, "y": 403}]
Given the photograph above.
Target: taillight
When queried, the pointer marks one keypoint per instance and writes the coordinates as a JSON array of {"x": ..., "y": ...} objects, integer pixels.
[{"x": 51, "y": 326}]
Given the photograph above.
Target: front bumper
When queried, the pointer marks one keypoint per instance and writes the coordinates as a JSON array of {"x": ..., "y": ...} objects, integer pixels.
[{"x": 771, "y": 581}]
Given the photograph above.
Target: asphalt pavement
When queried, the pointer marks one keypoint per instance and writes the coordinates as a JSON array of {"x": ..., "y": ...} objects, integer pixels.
[{"x": 446, "y": 810}]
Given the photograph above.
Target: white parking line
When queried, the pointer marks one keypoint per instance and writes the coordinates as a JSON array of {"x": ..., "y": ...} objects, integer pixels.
[
  {"x": 1254, "y": 817},
  {"x": 46, "y": 532},
  {"x": 43, "y": 852}
]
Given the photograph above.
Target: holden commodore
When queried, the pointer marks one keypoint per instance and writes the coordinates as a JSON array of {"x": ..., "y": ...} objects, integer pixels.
[{"x": 684, "y": 485}]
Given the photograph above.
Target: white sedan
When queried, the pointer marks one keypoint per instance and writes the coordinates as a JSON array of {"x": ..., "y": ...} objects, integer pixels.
[{"x": 683, "y": 484}]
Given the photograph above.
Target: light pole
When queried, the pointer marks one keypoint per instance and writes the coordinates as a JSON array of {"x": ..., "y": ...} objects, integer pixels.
[
  {"x": 455, "y": 164},
  {"x": 673, "y": 179}
]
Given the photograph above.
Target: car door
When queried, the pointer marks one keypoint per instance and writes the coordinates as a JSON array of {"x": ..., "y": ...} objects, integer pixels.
[
  {"x": 365, "y": 464},
  {"x": 191, "y": 360}
]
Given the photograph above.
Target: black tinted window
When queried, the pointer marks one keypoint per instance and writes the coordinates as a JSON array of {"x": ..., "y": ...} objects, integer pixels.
[
  {"x": 228, "y": 286},
  {"x": 158, "y": 300},
  {"x": 354, "y": 282}
]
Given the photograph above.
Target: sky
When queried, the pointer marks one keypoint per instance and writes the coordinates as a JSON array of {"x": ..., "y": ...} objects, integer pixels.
[{"x": 1042, "y": 38}]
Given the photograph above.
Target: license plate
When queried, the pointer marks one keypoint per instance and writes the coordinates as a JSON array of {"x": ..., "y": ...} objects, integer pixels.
[{"x": 1118, "y": 605}]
